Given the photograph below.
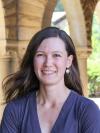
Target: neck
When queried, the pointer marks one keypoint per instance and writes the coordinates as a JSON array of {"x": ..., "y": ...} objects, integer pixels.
[{"x": 50, "y": 95}]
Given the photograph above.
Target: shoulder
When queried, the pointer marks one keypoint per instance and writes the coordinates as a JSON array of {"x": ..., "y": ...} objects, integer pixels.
[
  {"x": 14, "y": 112},
  {"x": 84, "y": 103},
  {"x": 15, "y": 108},
  {"x": 88, "y": 114},
  {"x": 85, "y": 107},
  {"x": 19, "y": 102}
]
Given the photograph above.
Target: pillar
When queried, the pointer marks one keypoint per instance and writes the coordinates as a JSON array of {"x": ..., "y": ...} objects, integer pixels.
[
  {"x": 82, "y": 55},
  {"x": 23, "y": 19},
  {"x": 79, "y": 36}
]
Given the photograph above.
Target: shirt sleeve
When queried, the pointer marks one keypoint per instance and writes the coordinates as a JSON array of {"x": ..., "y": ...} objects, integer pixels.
[
  {"x": 9, "y": 123},
  {"x": 90, "y": 119}
]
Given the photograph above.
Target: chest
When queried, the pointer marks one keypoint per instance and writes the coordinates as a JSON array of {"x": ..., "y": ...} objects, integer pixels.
[
  {"x": 47, "y": 118},
  {"x": 59, "y": 120}
]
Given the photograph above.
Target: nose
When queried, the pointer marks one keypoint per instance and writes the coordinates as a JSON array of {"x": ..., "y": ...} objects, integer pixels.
[{"x": 48, "y": 61}]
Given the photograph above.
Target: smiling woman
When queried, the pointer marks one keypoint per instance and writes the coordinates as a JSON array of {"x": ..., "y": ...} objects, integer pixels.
[
  {"x": 51, "y": 61},
  {"x": 45, "y": 95}
]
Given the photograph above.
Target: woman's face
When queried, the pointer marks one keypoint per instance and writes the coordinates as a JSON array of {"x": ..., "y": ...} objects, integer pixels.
[{"x": 51, "y": 61}]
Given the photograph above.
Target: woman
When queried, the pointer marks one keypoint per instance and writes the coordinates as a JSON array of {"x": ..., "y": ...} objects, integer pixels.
[{"x": 45, "y": 95}]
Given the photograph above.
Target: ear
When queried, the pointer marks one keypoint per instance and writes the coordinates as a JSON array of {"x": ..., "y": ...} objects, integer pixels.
[{"x": 69, "y": 61}]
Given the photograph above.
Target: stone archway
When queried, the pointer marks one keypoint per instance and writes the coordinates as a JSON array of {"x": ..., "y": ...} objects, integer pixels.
[
  {"x": 23, "y": 18},
  {"x": 78, "y": 33},
  {"x": 49, "y": 8},
  {"x": 88, "y": 10}
]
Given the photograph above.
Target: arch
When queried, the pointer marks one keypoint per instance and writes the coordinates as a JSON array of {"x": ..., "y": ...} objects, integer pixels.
[
  {"x": 23, "y": 17},
  {"x": 88, "y": 16},
  {"x": 96, "y": 17},
  {"x": 59, "y": 18},
  {"x": 77, "y": 27},
  {"x": 49, "y": 8},
  {"x": 79, "y": 34}
]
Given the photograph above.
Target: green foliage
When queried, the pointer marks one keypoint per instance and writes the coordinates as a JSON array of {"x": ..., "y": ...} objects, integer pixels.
[{"x": 94, "y": 60}]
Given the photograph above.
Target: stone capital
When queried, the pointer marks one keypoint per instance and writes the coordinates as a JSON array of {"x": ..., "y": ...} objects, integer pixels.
[{"x": 83, "y": 52}]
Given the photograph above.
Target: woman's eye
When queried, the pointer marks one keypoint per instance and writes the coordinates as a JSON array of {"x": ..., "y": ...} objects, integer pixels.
[
  {"x": 40, "y": 54},
  {"x": 57, "y": 55}
]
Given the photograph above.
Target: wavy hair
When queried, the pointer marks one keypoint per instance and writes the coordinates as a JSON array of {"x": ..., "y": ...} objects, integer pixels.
[{"x": 24, "y": 80}]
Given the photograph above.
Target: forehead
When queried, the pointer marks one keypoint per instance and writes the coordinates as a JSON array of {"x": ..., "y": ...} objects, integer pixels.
[{"x": 52, "y": 44}]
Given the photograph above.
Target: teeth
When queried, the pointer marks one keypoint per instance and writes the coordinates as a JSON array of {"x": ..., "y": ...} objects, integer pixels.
[{"x": 47, "y": 72}]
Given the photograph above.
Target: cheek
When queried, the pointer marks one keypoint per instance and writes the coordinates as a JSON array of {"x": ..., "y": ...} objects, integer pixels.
[
  {"x": 62, "y": 63},
  {"x": 37, "y": 63}
]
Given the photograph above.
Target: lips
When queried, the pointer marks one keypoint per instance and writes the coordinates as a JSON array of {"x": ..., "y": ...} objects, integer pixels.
[{"x": 48, "y": 72}]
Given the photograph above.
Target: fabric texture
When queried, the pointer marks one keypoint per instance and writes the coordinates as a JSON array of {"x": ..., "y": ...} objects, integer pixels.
[{"x": 78, "y": 115}]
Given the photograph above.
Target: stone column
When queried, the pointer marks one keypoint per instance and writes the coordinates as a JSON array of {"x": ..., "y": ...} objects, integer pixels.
[
  {"x": 49, "y": 8},
  {"x": 7, "y": 66},
  {"x": 79, "y": 36},
  {"x": 23, "y": 19},
  {"x": 75, "y": 18},
  {"x": 2, "y": 52},
  {"x": 82, "y": 55},
  {"x": 30, "y": 17}
]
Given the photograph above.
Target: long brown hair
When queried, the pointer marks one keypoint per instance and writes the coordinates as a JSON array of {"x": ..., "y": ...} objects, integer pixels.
[{"x": 24, "y": 81}]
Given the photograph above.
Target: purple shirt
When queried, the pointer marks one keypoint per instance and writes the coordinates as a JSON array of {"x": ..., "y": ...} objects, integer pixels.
[{"x": 78, "y": 115}]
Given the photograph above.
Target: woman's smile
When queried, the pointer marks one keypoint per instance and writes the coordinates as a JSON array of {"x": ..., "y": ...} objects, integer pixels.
[{"x": 48, "y": 72}]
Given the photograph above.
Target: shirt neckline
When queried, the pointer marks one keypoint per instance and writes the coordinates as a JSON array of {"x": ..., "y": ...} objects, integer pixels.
[{"x": 60, "y": 115}]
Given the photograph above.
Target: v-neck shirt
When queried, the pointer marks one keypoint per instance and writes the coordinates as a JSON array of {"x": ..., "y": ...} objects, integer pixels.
[{"x": 78, "y": 115}]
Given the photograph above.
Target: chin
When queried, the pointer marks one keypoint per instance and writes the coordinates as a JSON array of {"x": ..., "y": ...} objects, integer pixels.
[{"x": 49, "y": 83}]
